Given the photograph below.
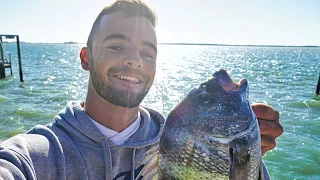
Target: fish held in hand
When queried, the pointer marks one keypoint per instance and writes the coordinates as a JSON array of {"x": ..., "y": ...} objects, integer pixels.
[{"x": 212, "y": 134}]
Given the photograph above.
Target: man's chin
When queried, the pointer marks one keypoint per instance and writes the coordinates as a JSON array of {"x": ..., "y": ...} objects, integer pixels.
[
  {"x": 118, "y": 96},
  {"x": 124, "y": 99},
  {"x": 124, "y": 103}
]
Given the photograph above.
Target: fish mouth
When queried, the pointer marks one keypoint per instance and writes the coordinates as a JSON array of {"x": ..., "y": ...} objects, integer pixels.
[{"x": 225, "y": 81}]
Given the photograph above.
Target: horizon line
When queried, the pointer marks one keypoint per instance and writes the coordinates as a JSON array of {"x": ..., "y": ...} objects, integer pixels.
[
  {"x": 258, "y": 45},
  {"x": 179, "y": 43}
]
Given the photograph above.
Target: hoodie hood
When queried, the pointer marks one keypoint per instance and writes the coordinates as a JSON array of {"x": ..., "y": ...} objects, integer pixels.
[{"x": 75, "y": 120}]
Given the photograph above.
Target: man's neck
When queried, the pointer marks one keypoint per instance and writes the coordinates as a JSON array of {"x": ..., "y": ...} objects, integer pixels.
[{"x": 111, "y": 116}]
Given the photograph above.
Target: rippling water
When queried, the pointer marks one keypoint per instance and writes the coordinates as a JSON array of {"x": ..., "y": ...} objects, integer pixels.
[{"x": 284, "y": 77}]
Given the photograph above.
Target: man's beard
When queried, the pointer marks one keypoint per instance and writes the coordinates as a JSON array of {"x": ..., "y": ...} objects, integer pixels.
[{"x": 125, "y": 98}]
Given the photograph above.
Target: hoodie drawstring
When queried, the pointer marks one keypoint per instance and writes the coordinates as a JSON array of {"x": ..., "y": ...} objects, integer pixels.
[
  {"x": 107, "y": 158},
  {"x": 133, "y": 164}
]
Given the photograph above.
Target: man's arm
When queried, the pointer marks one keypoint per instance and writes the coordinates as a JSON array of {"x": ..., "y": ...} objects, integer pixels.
[
  {"x": 269, "y": 123},
  {"x": 11, "y": 166}
]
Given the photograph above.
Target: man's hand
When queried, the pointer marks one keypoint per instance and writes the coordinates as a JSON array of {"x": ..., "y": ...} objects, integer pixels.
[{"x": 269, "y": 124}]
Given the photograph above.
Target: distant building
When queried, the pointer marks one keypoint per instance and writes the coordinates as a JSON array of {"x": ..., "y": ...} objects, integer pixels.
[{"x": 70, "y": 42}]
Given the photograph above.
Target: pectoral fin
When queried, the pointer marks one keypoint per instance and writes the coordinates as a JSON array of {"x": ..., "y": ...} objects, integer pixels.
[{"x": 240, "y": 159}]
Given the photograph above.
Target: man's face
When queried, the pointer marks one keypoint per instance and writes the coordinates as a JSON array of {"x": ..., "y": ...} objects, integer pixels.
[{"x": 123, "y": 59}]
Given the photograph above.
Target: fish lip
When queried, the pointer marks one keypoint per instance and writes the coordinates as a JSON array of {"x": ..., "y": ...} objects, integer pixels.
[
  {"x": 242, "y": 81},
  {"x": 239, "y": 84},
  {"x": 226, "y": 82}
]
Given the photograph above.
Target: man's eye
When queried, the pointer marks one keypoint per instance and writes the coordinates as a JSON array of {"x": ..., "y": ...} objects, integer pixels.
[
  {"x": 115, "y": 48},
  {"x": 147, "y": 55}
]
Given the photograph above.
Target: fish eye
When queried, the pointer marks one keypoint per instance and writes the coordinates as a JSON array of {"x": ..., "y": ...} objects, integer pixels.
[
  {"x": 204, "y": 100},
  {"x": 203, "y": 86}
]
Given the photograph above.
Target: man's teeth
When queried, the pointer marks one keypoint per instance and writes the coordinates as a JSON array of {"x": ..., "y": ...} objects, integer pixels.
[{"x": 129, "y": 78}]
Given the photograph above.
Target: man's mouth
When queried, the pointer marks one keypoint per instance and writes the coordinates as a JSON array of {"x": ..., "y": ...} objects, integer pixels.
[{"x": 128, "y": 78}]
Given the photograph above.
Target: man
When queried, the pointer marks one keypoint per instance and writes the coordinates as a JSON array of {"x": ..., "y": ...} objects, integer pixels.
[{"x": 106, "y": 136}]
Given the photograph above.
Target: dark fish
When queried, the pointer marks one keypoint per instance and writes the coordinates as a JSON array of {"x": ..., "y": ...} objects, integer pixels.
[{"x": 211, "y": 134}]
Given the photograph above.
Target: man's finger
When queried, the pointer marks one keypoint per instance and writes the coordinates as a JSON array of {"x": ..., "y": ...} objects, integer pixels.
[
  {"x": 268, "y": 141},
  {"x": 270, "y": 128},
  {"x": 264, "y": 149},
  {"x": 264, "y": 111}
]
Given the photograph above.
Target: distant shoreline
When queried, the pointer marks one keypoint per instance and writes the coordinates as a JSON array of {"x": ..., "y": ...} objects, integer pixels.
[
  {"x": 190, "y": 44},
  {"x": 208, "y": 44}
]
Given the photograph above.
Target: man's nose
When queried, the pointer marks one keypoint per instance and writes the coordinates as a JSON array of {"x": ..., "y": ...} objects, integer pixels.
[{"x": 133, "y": 59}]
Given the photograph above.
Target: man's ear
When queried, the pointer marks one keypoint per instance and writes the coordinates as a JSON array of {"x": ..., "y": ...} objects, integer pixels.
[{"x": 85, "y": 57}]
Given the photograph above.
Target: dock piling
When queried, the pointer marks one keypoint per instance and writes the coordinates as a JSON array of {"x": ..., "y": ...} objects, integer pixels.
[
  {"x": 318, "y": 86},
  {"x": 10, "y": 63},
  {"x": 19, "y": 58},
  {"x": 2, "y": 70}
]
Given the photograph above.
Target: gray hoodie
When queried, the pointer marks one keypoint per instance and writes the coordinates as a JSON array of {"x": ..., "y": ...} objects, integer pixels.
[{"x": 73, "y": 148}]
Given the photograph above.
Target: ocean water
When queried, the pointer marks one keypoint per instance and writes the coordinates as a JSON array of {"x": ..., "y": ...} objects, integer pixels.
[{"x": 284, "y": 77}]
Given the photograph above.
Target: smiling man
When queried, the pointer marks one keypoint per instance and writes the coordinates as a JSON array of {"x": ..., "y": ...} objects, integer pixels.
[{"x": 107, "y": 135}]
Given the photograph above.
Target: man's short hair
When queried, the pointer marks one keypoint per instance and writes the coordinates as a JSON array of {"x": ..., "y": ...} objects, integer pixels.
[{"x": 131, "y": 8}]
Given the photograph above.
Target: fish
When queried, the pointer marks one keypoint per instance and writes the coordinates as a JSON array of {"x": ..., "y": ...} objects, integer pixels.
[{"x": 212, "y": 133}]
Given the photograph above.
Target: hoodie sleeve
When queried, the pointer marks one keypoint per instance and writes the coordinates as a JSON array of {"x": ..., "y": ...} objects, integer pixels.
[
  {"x": 35, "y": 155},
  {"x": 14, "y": 165}
]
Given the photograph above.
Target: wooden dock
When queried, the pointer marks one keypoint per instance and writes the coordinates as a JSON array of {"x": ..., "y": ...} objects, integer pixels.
[{"x": 5, "y": 62}]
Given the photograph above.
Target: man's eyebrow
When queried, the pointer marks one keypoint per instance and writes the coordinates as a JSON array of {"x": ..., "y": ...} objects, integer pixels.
[
  {"x": 116, "y": 36},
  {"x": 126, "y": 38},
  {"x": 149, "y": 44}
]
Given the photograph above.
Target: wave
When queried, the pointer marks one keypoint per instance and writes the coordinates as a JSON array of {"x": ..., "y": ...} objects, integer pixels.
[{"x": 305, "y": 104}]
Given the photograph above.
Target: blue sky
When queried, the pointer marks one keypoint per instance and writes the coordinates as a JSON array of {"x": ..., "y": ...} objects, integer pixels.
[{"x": 269, "y": 22}]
